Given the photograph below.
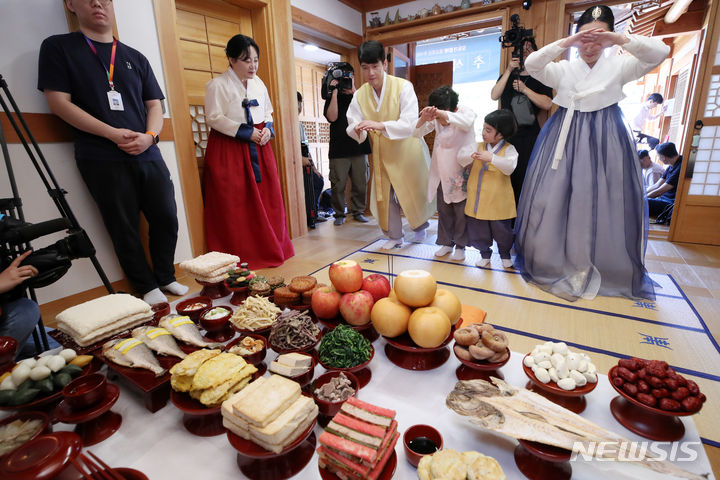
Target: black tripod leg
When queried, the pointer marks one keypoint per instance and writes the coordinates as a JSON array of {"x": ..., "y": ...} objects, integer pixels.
[{"x": 102, "y": 275}]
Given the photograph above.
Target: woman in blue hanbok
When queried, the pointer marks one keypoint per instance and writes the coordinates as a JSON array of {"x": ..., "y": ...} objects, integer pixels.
[{"x": 581, "y": 227}]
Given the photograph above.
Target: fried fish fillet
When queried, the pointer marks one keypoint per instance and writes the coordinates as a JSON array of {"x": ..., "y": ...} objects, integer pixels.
[{"x": 193, "y": 361}]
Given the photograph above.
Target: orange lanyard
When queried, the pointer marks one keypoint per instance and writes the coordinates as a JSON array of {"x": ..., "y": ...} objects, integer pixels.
[{"x": 112, "y": 60}]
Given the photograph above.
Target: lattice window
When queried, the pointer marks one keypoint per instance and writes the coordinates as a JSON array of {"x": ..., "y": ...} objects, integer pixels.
[
  {"x": 712, "y": 106},
  {"x": 324, "y": 134},
  {"x": 678, "y": 104},
  {"x": 200, "y": 129},
  {"x": 706, "y": 174},
  {"x": 310, "y": 131}
]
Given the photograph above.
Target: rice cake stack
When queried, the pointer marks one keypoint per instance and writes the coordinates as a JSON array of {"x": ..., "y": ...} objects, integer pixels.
[
  {"x": 358, "y": 441},
  {"x": 211, "y": 377},
  {"x": 270, "y": 412},
  {"x": 101, "y": 318},
  {"x": 211, "y": 267}
]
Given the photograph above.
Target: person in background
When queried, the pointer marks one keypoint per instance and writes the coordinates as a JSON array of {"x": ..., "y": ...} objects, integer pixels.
[
  {"x": 661, "y": 194},
  {"x": 107, "y": 91},
  {"x": 651, "y": 171},
  {"x": 348, "y": 159},
  {"x": 244, "y": 210},
  {"x": 644, "y": 116},
  {"x": 528, "y": 99},
  {"x": 386, "y": 108},
  {"x": 313, "y": 178},
  {"x": 490, "y": 205},
  {"x": 454, "y": 129},
  {"x": 580, "y": 229},
  {"x": 18, "y": 315}
]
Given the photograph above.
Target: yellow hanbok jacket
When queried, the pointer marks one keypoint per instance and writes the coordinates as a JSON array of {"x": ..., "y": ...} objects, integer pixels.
[
  {"x": 495, "y": 199},
  {"x": 402, "y": 163}
]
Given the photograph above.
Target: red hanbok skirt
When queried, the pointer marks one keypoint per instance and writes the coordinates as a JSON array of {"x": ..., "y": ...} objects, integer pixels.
[{"x": 243, "y": 217}]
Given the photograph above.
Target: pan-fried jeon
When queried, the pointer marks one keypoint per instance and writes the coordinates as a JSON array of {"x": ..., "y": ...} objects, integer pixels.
[{"x": 211, "y": 376}]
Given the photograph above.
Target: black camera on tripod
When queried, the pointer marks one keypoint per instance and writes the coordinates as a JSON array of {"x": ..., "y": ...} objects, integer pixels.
[
  {"x": 516, "y": 37},
  {"x": 51, "y": 262},
  {"x": 340, "y": 71}
]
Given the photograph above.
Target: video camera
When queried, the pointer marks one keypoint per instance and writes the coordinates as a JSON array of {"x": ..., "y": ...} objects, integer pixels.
[
  {"x": 516, "y": 37},
  {"x": 51, "y": 262},
  {"x": 340, "y": 71}
]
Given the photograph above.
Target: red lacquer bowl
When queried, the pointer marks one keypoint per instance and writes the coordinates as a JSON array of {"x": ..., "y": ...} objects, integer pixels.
[
  {"x": 306, "y": 348},
  {"x": 638, "y": 403},
  {"x": 417, "y": 431},
  {"x": 349, "y": 369},
  {"x": 215, "y": 324},
  {"x": 160, "y": 310},
  {"x": 254, "y": 358},
  {"x": 326, "y": 407},
  {"x": 85, "y": 391},
  {"x": 182, "y": 308},
  {"x": 45, "y": 426},
  {"x": 42, "y": 458},
  {"x": 483, "y": 364},
  {"x": 8, "y": 349}
]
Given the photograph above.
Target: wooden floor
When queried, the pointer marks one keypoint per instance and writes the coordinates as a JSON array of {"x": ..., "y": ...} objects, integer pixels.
[{"x": 693, "y": 269}]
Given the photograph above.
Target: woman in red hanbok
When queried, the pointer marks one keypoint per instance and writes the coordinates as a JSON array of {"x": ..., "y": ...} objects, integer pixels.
[{"x": 244, "y": 211}]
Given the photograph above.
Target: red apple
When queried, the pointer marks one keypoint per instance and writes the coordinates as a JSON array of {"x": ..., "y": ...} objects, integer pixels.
[
  {"x": 325, "y": 302},
  {"x": 346, "y": 276},
  {"x": 377, "y": 285},
  {"x": 355, "y": 307}
]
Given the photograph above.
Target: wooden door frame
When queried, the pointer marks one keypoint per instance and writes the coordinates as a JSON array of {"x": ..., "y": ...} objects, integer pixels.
[
  {"x": 270, "y": 21},
  {"x": 708, "y": 46}
]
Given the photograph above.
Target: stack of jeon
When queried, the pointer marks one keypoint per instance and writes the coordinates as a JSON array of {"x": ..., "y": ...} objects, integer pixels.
[
  {"x": 211, "y": 376},
  {"x": 270, "y": 412},
  {"x": 359, "y": 441},
  {"x": 449, "y": 464}
]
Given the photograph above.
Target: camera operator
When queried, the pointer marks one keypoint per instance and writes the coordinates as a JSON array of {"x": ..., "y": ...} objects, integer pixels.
[
  {"x": 526, "y": 98},
  {"x": 18, "y": 315},
  {"x": 348, "y": 159}
]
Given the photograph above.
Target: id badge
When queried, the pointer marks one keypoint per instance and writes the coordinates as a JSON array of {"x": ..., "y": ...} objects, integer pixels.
[{"x": 115, "y": 100}]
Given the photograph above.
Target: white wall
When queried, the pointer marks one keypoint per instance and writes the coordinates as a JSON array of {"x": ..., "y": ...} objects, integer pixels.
[
  {"x": 333, "y": 11},
  {"x": 22, "y": 29}
]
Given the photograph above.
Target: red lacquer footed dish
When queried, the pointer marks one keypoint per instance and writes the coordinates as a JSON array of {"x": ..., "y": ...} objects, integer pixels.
[
  {"x": 479, "y": 369},
  {"x": 538, "y": 461},
  {"x": 198, "y": 419},
  {"x": 648, "y": 422},
  {"x": 96, "y": 423},
  {"x": 257, "y": 463},
  {"x": 405, "y": 353},
  {"x": 573, "y": 400},
  {"x": 43, "y": 458},
  {"x": 386, "y": 474}
]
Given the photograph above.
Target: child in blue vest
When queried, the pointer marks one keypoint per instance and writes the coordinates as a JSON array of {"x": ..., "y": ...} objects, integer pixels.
[{"x": 490, "y": 204}]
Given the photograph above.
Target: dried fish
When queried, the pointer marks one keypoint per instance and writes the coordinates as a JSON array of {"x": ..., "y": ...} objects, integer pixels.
[{"x": 521, "y": 414}]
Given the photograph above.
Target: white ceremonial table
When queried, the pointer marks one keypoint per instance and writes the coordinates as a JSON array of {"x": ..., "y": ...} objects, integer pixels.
[{"x": 159, "y": 446}]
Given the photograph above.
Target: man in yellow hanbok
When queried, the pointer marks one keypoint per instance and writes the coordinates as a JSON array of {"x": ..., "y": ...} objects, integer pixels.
[{"x": 387, "y": 108}]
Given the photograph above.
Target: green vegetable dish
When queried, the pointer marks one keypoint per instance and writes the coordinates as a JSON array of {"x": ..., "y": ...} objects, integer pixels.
[{"x": 344, "y": 347}]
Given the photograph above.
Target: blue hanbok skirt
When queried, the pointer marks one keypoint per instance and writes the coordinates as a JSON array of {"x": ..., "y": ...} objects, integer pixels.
[{"x": 581, "y": 230}]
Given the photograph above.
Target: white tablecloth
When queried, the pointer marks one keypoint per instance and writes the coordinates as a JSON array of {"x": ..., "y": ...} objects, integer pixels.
[{"x": 158, "y": 444}]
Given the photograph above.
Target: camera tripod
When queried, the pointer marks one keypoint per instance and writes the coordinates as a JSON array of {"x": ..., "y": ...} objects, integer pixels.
[{"x": 12, "y": 207}]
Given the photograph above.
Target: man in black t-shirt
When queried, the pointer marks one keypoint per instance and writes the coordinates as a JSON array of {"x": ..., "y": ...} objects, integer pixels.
[
  {"x": 526, "y": 98},
  {"x": 108, "y": 93},
  {"x": 348, "y": 159}
]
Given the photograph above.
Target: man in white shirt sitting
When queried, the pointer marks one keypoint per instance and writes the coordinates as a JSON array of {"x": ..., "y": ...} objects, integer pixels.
[
  {"x": 644, "y": 115},
  {"x": 652, "y": 172}
]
